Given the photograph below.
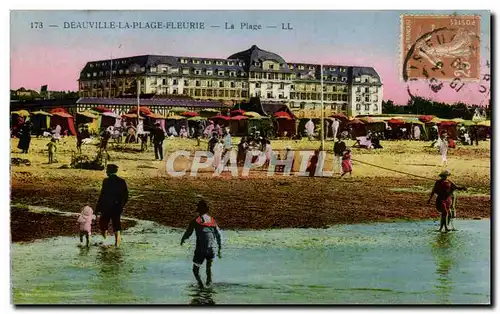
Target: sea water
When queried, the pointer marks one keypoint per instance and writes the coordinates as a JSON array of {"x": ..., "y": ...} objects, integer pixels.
[{"x": 381, "y": 263}]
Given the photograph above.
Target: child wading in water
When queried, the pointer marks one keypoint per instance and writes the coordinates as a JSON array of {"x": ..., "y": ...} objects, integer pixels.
[
  {"x": 51, "y": 146},
  {"x": 207, "y": 233},
  {"x": 85, "y": 221},
  {"x": 346, "y": 163}
]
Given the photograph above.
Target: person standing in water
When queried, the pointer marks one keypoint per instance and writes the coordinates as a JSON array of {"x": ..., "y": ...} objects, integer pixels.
[
  {"x": 444, "y": 189},
  {"x": 112, "y": 200},
  {"x": 207, "y": 233}
]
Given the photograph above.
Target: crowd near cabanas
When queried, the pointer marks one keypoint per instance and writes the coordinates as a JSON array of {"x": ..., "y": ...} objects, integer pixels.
[{"x": 253, "y": 118}]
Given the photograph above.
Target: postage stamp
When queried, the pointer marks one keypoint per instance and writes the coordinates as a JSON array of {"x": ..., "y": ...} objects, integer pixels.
[{"x": 442, "y": 47}]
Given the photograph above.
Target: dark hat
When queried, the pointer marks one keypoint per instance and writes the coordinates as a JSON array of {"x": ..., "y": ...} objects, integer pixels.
[
  {"x": 112, "y": 168},
  {"x": 202, "y": 207}
]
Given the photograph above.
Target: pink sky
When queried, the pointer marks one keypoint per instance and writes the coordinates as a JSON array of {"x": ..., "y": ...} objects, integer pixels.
[{"x": 59, "y": 67}]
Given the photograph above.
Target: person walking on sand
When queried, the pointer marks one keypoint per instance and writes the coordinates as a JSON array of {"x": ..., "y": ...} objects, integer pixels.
[
  {"x": 338, "y": 151},
  {"x": 207, "y": 233},
  {"x": 218, "y": 150},
  {"x": 158, "y": 138},
  {"x": 346, "y": 163},
  {"x": 310, "y": 129},
  {"x": 52, "y": 148},
  {"x": 444, "y": 189},
  {"x": 112, "y": 200},
  {"x": 443, "y": 149},
  {"x": 313, "y": 163}
]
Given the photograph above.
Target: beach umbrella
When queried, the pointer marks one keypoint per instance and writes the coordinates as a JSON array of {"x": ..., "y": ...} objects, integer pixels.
[
  {"x": 41, "y": 112},
  {"x": 339, "y": 116},
  {"x": 395, "y": 121},
  {"x": 177, "y": 110},
  {"x": 458, "y": 120},
  {"x": 467, "y": 123},
  {"x": 252, "y": 114},
  {"x": 189, "y": 114},
  {"x": 436, "y": 120},
  {"x": 485, "y": 123},
  {"x": 449, "y": 122},
  {"x": 131, "y": 116},
  {"x": 426, "y": 118},
  {"x": 102, "y": 109},
  {"x": 237, "y": 112},
  {"x": 21, "y": 113},
  {"x": 176, "y": 118},
  {"x": 155, "y": 116},
  {"x": 197, "y": 118},
  {"x": 282, "y": 115},
  {"x": 210, "y": 110},
  {"x": 142, "y": 109},
  {"x": 367, "y": 120},
  {"x": 356, "y": 121},
  {"x": 238, "y": 118},
  {"x": 88, "y": 114},
  {"x": 220, "y": 117}
]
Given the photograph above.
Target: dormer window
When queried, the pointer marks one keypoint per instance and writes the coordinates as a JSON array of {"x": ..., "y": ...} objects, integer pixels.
[
  {"x": 197, "y": 72},
  {"x": 301, "y": 67},
  {"x": 366, "y": 80},
  {"x": 210, "y": 72},
  {"x": 101, "y": 73},
  {"x": 232, "y": 73},
  {"x": 207, "y": 62},
  {"x": 218, "y": 62},
  {"x": 183, "y": 61},
  {"x": 88, "y": 75},
  {"x": 311, "y": 68},
  {"x": 342, "y": 69},
  {"x": 357, "y": 79},
  {"x": 196, "y": 61},
  {"x": 290, "y": 66},
  {"x": 91, "y": 65},
  {"x": 230, "y": 63},
  {"x": 344, "y": 79},
  {"x": 221, "y": 73}
]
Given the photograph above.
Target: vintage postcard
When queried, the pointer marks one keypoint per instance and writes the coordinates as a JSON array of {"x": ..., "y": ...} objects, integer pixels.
[{"x": 250, "y": 157}]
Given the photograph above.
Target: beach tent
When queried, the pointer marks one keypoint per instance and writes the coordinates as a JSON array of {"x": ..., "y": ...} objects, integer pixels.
[
  {"x": 284, "y": 123},
  {"x": 61, "y": 117},
  {"x": 90, "y": 118},
  {"x": 221, "y": 120},
  {"x": 450, "y": 127},
  {"x": 41, "y": 122},
  {"x": 239, "y": 125}
]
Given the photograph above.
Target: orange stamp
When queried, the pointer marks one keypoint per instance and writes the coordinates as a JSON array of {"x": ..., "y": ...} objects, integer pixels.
[{"x": 440, "y": 47}]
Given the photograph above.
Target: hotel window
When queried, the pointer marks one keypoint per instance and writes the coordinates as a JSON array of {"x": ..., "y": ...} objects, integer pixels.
[
  {"x": 232, "y": 73},
  {"x": 198, "y": 83},
  {"x": 344, "y": 107},
  {"x": 367, "y": 90},
  {"x": 358, "y": 89},
  {"x": 270, "y": 95},
  {"x": 344, "y": 79},
  {"x": 183, "y": 61},
  {"x": 101, "y": 73},
  {"x": 196, "y": 61},
  {"x": 334, "y": 69},
  {"x": 257, "y": 85},
  {"x": 186, "y": 83},
  {"x": 358, "y": 98},
  {"x": 375, "y": 98},
  {"x": 164, "y": 82},
  {"x": 311, "y": 68},
  {"x": 342, "y": 69},
  {"x": 174, "y": 92},
  {"x": 271, "y": 67},
  {"x": 375, "y": 107},
  {"x": 164, "y": 70},
  {"x": 197, "y": 72},
  {"x": 233, "y": 84},
  {"x": 209, "y": 72},
  {"x": 114, "y": 72},
  {"x": 325, "y": 77},
  {"x": 103, "y": 64},
  {"x": 344, "y": 97},
  {"x": 334, "y": 78},
  {"x": 221, "y": 73},
  {"x": 209, "y": 83},
  {"x": 292, "y": 87},
  {"x": 221, "y": 84},
  {"x": 174, "y": 82},
  {"x": 89, "y": 75},
  {"x": 282, "y": 85},
  {"x": 230, "y": 63},
  {"x": 334, "y": 88},
  {"x": 152, "y": 69},
  {"x": 357, "y": 79},
  {"x": 367, "y": 107},
  {"x": 366, "y": 80},
  {"x": 185, "y": 71},
  {"x": 218, "y": 62},
  {"x": 358, "y": 107},
  {"x": 207, "y": 62},
  {"x": 91, "y": 65},
  {"x": 301, "y": 67},
  {"x": 335, "y": 97},
  {"x": 290, "y": 66},
  {"x": 367, "y": 98},
  {"x": 143, "y": 69}
]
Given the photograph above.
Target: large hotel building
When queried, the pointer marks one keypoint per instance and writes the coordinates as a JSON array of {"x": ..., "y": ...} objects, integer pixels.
[{"x": 254, "y": 72}]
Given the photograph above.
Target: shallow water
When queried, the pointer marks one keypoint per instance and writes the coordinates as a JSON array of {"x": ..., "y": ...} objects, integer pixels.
[{"x": 383, "y": 263}]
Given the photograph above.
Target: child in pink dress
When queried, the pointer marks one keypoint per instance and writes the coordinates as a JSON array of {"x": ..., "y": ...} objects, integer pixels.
[
  {"x": 346, "y": 163},
  {"x": 85, "y": 222}
]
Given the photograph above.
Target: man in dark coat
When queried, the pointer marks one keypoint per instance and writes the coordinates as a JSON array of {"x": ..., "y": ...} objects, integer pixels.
[
  {"x": 158, "y": 138},
  {"x": 114, "y": 196}
]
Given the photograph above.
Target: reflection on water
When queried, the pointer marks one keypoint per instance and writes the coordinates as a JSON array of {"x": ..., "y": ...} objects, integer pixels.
[
  {"x": 201, "y": 296},
  {"x": 443, "y": 254},
  {"x": 391, "y": 263}
]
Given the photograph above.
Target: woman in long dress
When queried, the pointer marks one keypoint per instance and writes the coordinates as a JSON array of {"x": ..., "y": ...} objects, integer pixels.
[
  {"x": 218, "y": 150},
  {"x": 443, "y": 149}
]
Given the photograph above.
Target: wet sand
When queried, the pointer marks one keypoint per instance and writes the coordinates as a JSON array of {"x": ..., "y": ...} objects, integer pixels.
[{"x": 27, "y": 226}]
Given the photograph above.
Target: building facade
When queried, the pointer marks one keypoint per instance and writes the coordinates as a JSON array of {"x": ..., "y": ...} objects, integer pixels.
[{"x": 251, "y": 73}]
